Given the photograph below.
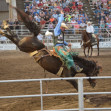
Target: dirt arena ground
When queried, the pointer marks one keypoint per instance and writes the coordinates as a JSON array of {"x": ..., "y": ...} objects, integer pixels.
[{"x": 18, "y": 65}]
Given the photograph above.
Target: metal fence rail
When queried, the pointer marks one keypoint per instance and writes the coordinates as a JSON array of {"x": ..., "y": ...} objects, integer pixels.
[{"x": 80, "y": 92}]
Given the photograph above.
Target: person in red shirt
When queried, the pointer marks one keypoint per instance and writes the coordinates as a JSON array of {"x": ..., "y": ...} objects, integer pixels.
[
  {"x": 80, "y": 5},
  {"x": 74, "y": 6},
  {"x": 67, "y": 9},
  {"x": 40, "y": 4}
]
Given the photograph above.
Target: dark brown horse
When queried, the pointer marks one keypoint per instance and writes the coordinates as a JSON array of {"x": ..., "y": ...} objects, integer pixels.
[
  {"x": 87, "y": 43},
  {"x": 43, "y": 57}
]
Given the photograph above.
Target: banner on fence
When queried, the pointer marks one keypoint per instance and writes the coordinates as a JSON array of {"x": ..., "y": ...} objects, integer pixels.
[
  {"x": 104, "y": 45},
  {"x": 74, "y": 45}
]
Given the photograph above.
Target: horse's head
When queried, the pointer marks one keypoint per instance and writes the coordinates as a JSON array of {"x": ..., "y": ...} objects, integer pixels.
[{"x": 94, "y": 72}]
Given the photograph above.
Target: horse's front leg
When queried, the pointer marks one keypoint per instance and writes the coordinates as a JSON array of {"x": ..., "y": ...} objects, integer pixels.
[
  {"x": 91, "y": 51},
  {"x": 88, "y": 51},
  {"x": 98, "y": 47}
]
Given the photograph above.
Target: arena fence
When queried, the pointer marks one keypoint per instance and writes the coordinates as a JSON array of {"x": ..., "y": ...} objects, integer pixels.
[{"x": 80, "y": 93}]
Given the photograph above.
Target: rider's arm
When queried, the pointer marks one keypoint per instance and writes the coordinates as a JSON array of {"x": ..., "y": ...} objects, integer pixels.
[
  {"x": 65, "y": 43},
  {"x": 57, "y": 29}
]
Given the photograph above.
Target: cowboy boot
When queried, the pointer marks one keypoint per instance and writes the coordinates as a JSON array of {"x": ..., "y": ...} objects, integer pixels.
[{"x": 77, "y": 68}]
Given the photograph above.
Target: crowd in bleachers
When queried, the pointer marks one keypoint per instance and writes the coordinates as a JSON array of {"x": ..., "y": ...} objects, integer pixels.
[
  {"x": 47, "y": 12},
  {"x": 102, "y": 12}
]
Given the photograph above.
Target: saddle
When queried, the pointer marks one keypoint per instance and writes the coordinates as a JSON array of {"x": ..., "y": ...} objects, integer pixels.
[
  {"x": 38, "y": 55},
  {"x": 92, "y": 38}
]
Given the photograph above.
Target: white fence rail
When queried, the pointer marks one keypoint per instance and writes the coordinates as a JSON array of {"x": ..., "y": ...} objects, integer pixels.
[{"x": 80, "y": 92}]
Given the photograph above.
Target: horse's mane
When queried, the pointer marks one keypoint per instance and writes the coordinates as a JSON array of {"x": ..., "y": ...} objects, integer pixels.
[{"x": 86, "y": 64}]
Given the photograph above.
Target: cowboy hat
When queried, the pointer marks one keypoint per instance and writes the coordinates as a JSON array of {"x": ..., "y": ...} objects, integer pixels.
[
  {"x": 64, "y": 25},
  {"x": 89, "y": 22},
  {"x": 48, "y": 33}
]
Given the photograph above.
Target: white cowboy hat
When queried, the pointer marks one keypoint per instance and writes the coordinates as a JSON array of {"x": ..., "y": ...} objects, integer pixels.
[
  {"x": 89, "y": 22},
  {"x": 64, "y": 25},
  {"x": 48, "y": 33}
]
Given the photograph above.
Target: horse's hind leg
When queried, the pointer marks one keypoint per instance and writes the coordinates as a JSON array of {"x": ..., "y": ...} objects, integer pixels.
[
  {"x": 6, "y": 27},
  {"x": 84, "y": 52}
]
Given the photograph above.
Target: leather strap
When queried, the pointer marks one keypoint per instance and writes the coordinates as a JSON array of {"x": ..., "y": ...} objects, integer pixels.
[{"x": 60, "y": 71}]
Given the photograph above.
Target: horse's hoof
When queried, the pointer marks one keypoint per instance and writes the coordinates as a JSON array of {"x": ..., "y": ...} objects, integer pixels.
[
  {"x": 6, "y": 26},
  {"x": 1, "y": 32}
]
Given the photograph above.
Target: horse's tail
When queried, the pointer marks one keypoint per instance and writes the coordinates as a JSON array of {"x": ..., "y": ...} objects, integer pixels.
[{"x": 33, "y": 27}]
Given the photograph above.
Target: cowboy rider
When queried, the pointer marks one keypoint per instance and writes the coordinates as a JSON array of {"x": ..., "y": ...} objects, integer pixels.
[
  {"x": 60, "y": 44},
  {"x": 90, "y": 31}
]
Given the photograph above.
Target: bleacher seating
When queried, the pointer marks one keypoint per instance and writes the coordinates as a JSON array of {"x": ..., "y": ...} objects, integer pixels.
[{"x": 47, "y": 12}]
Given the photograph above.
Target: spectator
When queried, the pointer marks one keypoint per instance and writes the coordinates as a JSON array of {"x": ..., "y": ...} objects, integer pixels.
[
  {"x": 82, "y": 25},
  {"x": 108, "y": 24},
  {"x": 47, "y": 19},
  {"x": 80, "y": 5},
  {"x": 66, "y": 9},
  {"x": 28, "y": 11},
  {"x": 16, "y": 24},
  {"x": 42, "y": 14},
  {"x": 37, "y": 18},
  {"x": 55, "y": 15},
  {"x": 11, "y": 23},
  {"x": 68, "y": 18},
  {"x": 100, "y": 36},
  {"x": 76, "y": 28},
  {"x": 50, "y": 26},
  {"x": 79, "y": 21},
  {"x": 73, "y": 21}
]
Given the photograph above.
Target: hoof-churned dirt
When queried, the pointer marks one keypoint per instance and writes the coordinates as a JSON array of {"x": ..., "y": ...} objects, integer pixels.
[{"x": 18, "y": 65}]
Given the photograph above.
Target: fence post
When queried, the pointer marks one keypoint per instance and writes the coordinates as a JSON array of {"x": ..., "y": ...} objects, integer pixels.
[
  {"x": 41, "y": 95},
  {"x": 80, "y": 90}
]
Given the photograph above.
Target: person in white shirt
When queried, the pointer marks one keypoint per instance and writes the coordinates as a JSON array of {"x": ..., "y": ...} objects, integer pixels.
[
  {"x": 90, "y": 32},
  {"x": 83, "y": 25}
]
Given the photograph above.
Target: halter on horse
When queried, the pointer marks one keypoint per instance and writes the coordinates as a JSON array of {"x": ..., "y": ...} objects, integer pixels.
[{"x": 87, "y": 43}]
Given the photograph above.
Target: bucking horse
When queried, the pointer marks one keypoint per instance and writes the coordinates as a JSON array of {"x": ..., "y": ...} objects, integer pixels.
[{"x": 44, "y": 57}]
